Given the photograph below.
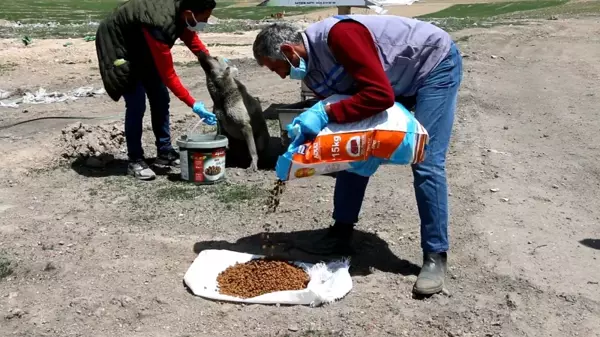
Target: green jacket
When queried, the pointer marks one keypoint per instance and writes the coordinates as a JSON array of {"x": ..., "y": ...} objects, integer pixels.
[{"x": 120, "y": 36}]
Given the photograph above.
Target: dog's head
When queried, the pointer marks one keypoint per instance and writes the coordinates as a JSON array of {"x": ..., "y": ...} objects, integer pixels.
[{"x": 215, "y": 66}]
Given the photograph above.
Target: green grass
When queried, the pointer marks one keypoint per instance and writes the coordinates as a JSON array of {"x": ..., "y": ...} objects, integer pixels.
[
  {"x": 569, "y": 9},
  {"x": 178, "y": 192},
  {"x": 233, "y": 194},
  {"x": 224, "y": 192},
  {"x": 62, "y": 11},
  {"x": 260, "y": 12},
  {"x": 486, "y": 10}
]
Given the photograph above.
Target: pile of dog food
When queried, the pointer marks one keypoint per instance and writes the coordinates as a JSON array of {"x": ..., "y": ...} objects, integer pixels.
[{"x": 261, "y": 276}]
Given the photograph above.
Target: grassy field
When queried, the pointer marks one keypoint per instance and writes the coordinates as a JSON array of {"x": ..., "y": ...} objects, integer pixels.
[
  {"x": 484, "y": 10},
  {"x": 75, "y": 11},
  {"x": 61, "y": 11},
  {"x": 75, "y": 18},
  {"x": 459, "y": 17},
  {"x": 259, "y": 13}
]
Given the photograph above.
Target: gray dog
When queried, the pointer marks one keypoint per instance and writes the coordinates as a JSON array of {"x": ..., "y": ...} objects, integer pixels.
[{"x": 240, "y": 115}]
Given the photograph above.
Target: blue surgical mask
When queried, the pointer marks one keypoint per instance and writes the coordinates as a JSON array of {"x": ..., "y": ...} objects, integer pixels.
[
  {"x": 198, "y": 27},
  {"x": 297, "y": 73}
]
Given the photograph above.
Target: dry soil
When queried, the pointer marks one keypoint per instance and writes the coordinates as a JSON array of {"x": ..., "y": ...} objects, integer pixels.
[{"x": 96, "y": 253}]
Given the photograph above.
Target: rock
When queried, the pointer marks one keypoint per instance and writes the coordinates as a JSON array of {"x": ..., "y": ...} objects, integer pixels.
[
  {"x": 504, "y": 199},
  {"x": 494, "y": 56},
  {"x": 15, "y": 313},
  {"x": 494, "y": 189},
  {"x": 513, "y": 300},
  {"x": 122, "y": 301},
  {"x": 49, "y": 267},
  {"x": 293, "y": 327}
]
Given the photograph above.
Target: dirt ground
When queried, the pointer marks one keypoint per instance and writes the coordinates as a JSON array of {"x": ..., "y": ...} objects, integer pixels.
[{"x": 95, "y": 253}]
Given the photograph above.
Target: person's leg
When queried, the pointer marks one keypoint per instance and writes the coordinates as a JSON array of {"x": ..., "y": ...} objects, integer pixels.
[
  {"x": 158, "y": 97},
  {"x": 135, "y": 106},
  {"x": 347, "y": 200},
  {"x": 435, "y": 107}
]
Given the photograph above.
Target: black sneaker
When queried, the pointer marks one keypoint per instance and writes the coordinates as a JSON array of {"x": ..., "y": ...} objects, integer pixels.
[
  {"x": 168, "y": 158},
  {"x": 140, "y": 170},
  {"x": 433, "y": 273},
  {"x": 337, "y": 240}
]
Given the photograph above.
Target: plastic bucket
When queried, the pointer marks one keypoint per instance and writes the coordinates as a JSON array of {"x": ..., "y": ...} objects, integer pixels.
[{"x": 202, "y": 158}]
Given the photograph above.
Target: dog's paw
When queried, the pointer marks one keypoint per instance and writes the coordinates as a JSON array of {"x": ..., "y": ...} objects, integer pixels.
[{"x": 253, "y": 166}]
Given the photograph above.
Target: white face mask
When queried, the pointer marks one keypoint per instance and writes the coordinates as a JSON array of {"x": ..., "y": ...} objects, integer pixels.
[{"x": 198, "y": 27}]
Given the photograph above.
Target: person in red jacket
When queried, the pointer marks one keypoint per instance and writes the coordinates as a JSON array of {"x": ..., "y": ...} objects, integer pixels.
[{"x": 134, "y": 50}]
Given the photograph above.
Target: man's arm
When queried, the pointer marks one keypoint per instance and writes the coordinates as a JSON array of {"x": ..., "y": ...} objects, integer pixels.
[
  {"x": 164, "y": 63},
  {"x": 192, "y": 41},
  {"x": 353, "y": 47}
]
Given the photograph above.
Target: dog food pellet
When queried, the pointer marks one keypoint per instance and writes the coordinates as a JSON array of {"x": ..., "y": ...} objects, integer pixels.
[
  {"x": 261, "y": 276},
  {"x": 275, "y": 197},
  {"x": 212, "y": 170}
]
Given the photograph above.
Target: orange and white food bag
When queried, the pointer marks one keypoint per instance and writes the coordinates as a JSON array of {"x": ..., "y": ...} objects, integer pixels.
[{"x": 394, "y": 136}]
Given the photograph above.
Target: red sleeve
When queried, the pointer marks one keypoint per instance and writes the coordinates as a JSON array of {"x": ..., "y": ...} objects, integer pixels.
[
  {"x": 164, "y": 63},
  {"x": 375, "y": 93},
  {"x": 192, "y": 41}
]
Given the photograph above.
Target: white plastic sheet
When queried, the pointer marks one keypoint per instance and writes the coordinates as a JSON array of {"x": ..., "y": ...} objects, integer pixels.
[
  {"x": 41, "y": 96},
  {"x": 328, "y": 281}
]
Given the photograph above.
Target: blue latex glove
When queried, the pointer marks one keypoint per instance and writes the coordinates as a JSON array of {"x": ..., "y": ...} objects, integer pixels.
[
  {"x": 226, "y": 60},
  {"x": 308, "y": 124},
  {"x": 365, "y": 168},
  {"x": 200, "y": 110}
]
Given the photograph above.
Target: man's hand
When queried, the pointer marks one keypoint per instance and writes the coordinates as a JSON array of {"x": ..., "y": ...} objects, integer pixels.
[
  {"x": 200, "y": 110},
  {"x": 308, "y": 124}
]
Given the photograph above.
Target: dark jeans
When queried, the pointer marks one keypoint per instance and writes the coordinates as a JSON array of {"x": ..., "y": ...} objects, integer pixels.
[
  {"x": 435, "y": 104},
  {"x": 135, "y": 107}
]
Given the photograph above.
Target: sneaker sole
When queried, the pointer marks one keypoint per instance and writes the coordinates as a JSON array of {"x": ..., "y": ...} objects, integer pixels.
[
  {"x": 428, "y": 291},
  {"x": 138, "y": 177}
]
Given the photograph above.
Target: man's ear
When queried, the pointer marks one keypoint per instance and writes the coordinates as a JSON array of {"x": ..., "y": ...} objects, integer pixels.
[
  {"x": 287, "y": 50},
  {"x": 186, "y": 15}
]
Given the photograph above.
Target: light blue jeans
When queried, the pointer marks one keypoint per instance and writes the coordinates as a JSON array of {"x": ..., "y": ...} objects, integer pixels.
[{"x": 434, "y": 109}]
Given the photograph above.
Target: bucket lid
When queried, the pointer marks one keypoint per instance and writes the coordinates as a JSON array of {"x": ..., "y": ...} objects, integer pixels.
[{"x": 202, "y": 141}]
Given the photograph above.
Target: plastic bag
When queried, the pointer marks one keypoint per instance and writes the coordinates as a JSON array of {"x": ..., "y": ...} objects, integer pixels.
[
  {"x": 393, "y": 136},
  {"x": 328, "y": 282}
]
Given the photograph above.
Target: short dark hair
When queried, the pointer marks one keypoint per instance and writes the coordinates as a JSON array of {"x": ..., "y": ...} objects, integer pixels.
[{"x": 198, "y": 6}]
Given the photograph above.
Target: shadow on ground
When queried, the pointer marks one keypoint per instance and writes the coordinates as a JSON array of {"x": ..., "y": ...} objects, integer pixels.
[
  {"x": 372, "y": 251},
  {"x": 237, "y": 157},
  {"x": 116, "y": 167},
  {"x": 591, "y": 243}
]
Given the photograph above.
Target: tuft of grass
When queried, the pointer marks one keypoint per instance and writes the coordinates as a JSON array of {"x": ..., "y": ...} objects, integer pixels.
[
  {"x": 179, "y": 192},
  {"x": 235, "y": 194},
  {"x": 487, "y": 10},
  {"x": 6, "y": 266}
]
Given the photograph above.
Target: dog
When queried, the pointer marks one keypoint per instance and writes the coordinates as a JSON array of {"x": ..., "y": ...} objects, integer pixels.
[{"x": 239, "y": 114}]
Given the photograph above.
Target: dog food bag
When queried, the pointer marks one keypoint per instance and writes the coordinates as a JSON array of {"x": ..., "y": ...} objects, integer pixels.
[{"x": 393, "y": 135}]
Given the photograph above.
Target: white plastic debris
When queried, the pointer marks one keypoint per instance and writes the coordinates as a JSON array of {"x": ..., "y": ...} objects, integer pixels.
[
  {"x": 41, "y": 96},
  {"x": 328, "y": 282}
]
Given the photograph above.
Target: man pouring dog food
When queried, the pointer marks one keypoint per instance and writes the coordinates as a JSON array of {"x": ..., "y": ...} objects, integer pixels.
[{"x": 378, "y": 60}]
